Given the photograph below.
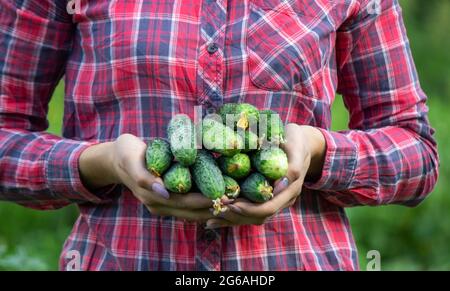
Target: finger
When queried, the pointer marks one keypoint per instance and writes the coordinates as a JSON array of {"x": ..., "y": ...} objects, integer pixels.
[
  {"x": 179, "y": 201},
  {"x": 291, "y": 192},
  {"x": 285, "y": 146},
  {"x": 296, "y": 155},
  {"x": 280, "y": 185},
  {"x": 134, "y": 168},
  {"x": 291, "y": 133},
  {"x": 290, "y": 203},
  {"x": 270, "y": 207},
  {"x": 226, "y": 201},
  {"x": 193, "y": 201},
  {"x": 217, "y": 223},
  {"x": 189, "y": 201},
  {"x": 156, "y": 195},
  {"x": 289, "y": 146},
  {"x": 146, "y": 180},
  {"x": 191, "y": 215}
]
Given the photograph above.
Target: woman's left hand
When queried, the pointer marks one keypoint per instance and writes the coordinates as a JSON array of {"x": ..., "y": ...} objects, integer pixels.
[{"x": 305, "y": 147}]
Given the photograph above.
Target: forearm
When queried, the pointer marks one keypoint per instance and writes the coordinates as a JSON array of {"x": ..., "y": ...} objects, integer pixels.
[
  {"x": 96, "y": 164},
  {"x": 389, "y": 156},
  {"x": 40, "y": 170},
  {"x": 390, "y": 165},
  {"x": 317, "y": 148}
]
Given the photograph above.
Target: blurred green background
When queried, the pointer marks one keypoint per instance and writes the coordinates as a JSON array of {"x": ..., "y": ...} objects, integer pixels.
[{"x": 407, "y": 238}]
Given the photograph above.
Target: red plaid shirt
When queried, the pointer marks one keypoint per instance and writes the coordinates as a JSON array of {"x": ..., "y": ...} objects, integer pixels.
[{"x": 129, "y": 65}]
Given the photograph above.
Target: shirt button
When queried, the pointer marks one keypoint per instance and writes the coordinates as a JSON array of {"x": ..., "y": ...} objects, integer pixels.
[
  {"x": 212, "y": 48},
  {"x": 215, "y": 97},
  {"x": 211, "y": 110}
]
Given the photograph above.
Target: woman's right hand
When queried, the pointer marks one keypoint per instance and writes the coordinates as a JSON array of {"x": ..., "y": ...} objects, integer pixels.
[{"x": 123, "y": 162}]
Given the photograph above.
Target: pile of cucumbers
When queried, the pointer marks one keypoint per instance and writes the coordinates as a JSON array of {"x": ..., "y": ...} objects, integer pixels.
[{"x": 234, "y": 153}]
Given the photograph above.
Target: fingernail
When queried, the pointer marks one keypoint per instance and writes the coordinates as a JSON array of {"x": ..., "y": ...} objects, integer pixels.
[
  {"x": 158, "y": 188},
  {"x": 235, "y": 209},
  {"x": 227, "y": 201},
  {"x": 220, "y": 214},
  {"x": 281, "y": 185}
]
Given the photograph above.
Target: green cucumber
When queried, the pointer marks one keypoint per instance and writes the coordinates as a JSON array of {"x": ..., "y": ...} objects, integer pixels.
[
  {"x": 228, "y": 110},
  {"x": 178, "y": 179},
  {"x": 220, "y": 138},
  {"x": 158, "y": 156},
  {"x": 181, "y": 136},
  {"x": 256, "y": 188},
  {"x": 207, "y": 176},
  {"x": 251, "y": 142},
  {"x": 248, "y": 114},
  {"x": 232, "y": 188},
  {"x": 237, "y": 166},
  {"x": 271, "y": 126},
  {"x": 271, "y": 162}
]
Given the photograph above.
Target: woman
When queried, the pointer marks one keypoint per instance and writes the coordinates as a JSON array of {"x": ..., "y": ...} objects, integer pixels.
[{"x": 130, "y": 65}]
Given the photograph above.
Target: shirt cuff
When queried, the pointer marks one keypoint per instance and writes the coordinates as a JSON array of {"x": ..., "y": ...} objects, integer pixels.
[
  {"x": 339, "y": 165},
  {"x": 63, "y": 175}
]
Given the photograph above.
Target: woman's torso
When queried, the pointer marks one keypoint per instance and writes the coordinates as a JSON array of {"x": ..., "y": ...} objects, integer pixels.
[{"x": 136, "y": 63}]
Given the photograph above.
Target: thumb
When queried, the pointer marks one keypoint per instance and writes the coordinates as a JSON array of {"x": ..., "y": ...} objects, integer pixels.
[
  {"x": 144, "y": 179},
  {"x": 280, "y": 185},
  {"x": 159, "y": 188}
]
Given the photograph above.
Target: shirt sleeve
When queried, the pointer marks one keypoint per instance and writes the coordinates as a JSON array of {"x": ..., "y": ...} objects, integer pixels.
[
  {"x": 37, "y": 169},
  {"x": 389, "y": 155}
]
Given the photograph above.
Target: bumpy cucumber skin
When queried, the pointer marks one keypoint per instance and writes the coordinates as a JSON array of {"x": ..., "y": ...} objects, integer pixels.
[
  {"x": 220, "y": 138},
  {"x": 256, "y": 188},
  {"x": 207, "y": 176},
  {"x": 232, "y": 188},
  {"x": 181, "y": 136},
  {"x": 178, "y": 179},
  {"x": 271, "y": 162},
  {"x": 228, "y": 109},
  {"x": 247, "y": 114},
  {"x": 158, "y": 156},
  {"x": 244, "y": 114},
  {"x": 274, "y": 130},
  {"x": 251, "y": 142},
  {"x": 237, "y": 166},
  {"x": 206, "y": 155}
]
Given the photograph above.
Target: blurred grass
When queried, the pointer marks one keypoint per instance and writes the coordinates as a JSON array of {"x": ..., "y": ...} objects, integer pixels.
[{"x": 407, "y": 238}]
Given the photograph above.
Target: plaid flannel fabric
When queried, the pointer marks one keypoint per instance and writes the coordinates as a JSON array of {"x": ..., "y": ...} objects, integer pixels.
[{"x": 129, "y": 65}]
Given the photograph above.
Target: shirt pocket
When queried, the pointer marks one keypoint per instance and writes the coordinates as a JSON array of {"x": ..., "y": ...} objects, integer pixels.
[
  {"x": 130, "y": 50},
  {"x": 289, "y": 44}
]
